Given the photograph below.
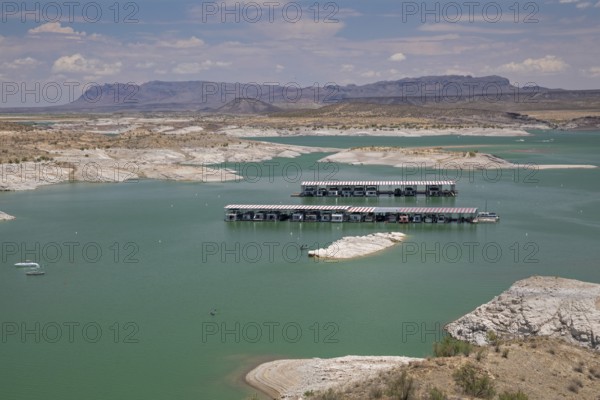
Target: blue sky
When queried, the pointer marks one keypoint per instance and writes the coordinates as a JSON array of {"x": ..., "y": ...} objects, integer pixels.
[{"x": 551, "y": 43}]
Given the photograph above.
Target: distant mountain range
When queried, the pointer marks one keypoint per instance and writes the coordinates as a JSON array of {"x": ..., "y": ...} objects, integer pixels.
[{"x": 493, "y": 92}]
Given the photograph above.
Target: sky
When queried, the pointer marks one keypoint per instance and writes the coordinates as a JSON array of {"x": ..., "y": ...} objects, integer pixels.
[{"x": 68, "y": 45}]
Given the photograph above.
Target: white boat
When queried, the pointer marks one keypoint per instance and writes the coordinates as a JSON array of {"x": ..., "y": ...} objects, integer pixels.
[
  {"x": 35, "y": 272},
  {"x": 27, "y": 264},
  {"x": 485, "y": 216}
]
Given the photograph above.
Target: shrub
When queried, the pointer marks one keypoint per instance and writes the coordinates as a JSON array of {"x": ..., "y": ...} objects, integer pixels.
[
  {"x": 450, "y": 347},
  {"x": 480, "y": 354},
  {"x": 375, "y": 392},
  {"x": 437, "y": 394},
  {"x": 474, "y": 382},
  {"x": 595, "y": 372},
  {"x": 492, "y": 337},
  {"x": 329, "y": 395},
  {"x": 505, "y": 353},
  {"x": 402, "y": 387},
  {"x": 513, "y": 396},
  {"x": 573, "y": 387}
]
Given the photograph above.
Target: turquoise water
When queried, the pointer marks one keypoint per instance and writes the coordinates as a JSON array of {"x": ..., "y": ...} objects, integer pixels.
[{"x": 168, "y": 259}]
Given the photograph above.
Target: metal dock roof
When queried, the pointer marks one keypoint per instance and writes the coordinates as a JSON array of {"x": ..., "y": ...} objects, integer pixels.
[
  {"x": 354, "y": 209},
  {"x": 415, "y": 210},
  {"x": 377, "y": 183},
  {"x": 279, "y": 207}
]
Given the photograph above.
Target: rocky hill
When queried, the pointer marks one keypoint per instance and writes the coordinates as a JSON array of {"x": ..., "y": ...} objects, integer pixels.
[
  {"x": 247, "y": 106},
  {"x": 537, "y": 306}
]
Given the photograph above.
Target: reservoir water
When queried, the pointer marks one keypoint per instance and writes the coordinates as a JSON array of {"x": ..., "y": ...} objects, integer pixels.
[{"x": 149, "y": 294}]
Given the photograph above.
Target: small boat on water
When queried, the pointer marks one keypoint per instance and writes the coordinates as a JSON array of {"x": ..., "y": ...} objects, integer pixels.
[
  {"x": 35, "y": 272},
  {"x": 485, "y": 216},
  {"x": 27, "y": 263}
]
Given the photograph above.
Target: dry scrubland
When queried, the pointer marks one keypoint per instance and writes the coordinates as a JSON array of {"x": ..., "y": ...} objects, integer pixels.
[
  {"x": 537, "y": 368},
  {"x": 79, "y": 151},
  {"x": 385, "y": 117},
  {"x": 174, "y": 145},
  {"x": 536, "y": 340},
  {"x": 21, "y": 143}
]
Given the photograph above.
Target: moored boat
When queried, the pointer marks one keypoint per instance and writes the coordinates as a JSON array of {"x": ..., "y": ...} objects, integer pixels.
[
  {"x": 485, "y": 216},
  {"x": 27, "y": 263}
]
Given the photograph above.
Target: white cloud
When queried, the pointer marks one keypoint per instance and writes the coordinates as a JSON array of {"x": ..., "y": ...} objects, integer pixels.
[
  {"x": 145, "y": 65},
  {"x": 486, "y": 29},
  {"x": 593, "y": 72},
  {"x": 304, "y": 29},
  {"x": 547, "y": 64},
  {"x": 81, "y": 65},
  {"x": 279, "y": 68},
  {"x": 55, "y": 27},
  {"x": 370, "y": 74},
  {"x": 21, "y": 63},
  {"x": 194, "y": 67},
  {"x": 347, "y": 68},
  {"x": 577, "y": 3},
  {"x": 182, "y": 43},
  {"x": 397, "y": 57}
]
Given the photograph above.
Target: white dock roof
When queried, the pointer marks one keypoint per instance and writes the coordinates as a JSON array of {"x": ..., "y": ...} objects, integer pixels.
[
  {"x": 354, "y": 209},
  {"x": 424, "y": 210},
  {"x": 280, "y": 207},
  {"x": 377, "y": 183}
]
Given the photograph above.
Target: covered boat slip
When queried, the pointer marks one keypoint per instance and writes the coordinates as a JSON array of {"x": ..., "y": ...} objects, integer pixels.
[
  {"x": 377, "y": 188},
  {"x": 346, "y": 213}
]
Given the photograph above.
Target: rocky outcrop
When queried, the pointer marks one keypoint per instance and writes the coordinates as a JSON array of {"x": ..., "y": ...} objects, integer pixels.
[
  {"x": 5, "y": 217},
  {"x": 537, "y": 306},
  {"x": 358, "y": 246}
]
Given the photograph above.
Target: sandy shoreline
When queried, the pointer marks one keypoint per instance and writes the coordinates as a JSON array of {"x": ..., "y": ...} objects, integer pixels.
[
  {"x": 290, "y": 379},
  {"x": 5, "y": 217},
  {"x": 119, "y": 165},
  {"x": 433, "y": 157},
  {"x": 358, "y": 246},
  {"x": 244, "y": 131}
]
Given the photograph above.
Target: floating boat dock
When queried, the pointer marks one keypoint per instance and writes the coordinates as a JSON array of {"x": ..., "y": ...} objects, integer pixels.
[
  {"x": 346, "y": 213},
  {"x": 377, "y": 188}
]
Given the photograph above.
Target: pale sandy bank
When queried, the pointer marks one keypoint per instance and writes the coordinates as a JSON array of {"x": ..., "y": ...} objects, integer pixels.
[
  {"x": 120, "y": 164},
  {"x": 290, "y": 379},
  {"x": 419, "y": 157},
  {"x": 244, "y": 131},
  {"x": 358, "y": 246},
  {"x": 5, "y": 217}
]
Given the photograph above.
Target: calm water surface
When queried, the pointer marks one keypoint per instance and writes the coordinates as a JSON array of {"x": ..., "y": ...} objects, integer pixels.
[{"x": 167, "y": 259}]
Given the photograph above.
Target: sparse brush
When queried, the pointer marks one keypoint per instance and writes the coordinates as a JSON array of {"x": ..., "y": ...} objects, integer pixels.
[
  {"x": 595, "y": 372},
  {"x": 376, "y": 392},
  {"x": 450, "y": 347},
  {"x": 330, "y": 395},
  {"x": 481, "y": 353},
  {"x": 513, "y": 396},
  {"x": 474, "y": 382},
  {"x": 402, "y": 387},
  {"x": 437, "y": 394}
]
